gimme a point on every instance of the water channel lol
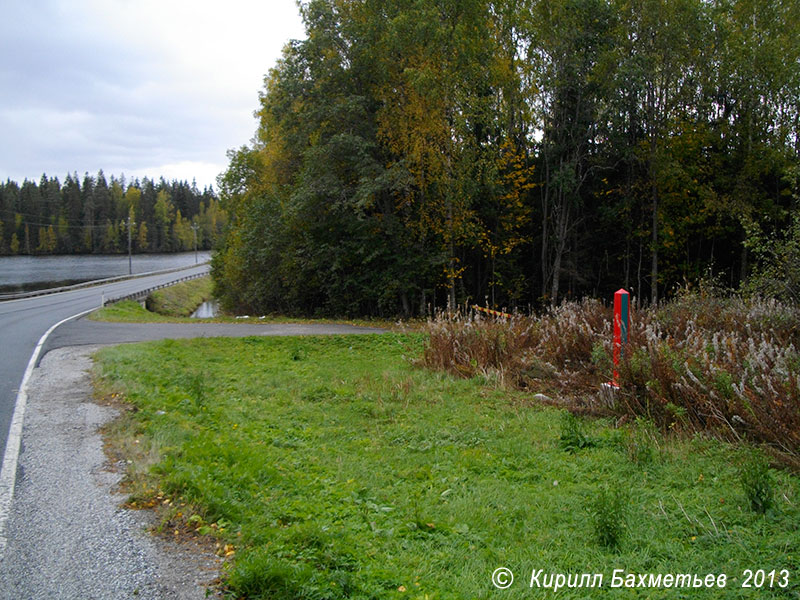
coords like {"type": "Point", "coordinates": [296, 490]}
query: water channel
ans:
{"type": "Point", "coordinates": [207, 310]}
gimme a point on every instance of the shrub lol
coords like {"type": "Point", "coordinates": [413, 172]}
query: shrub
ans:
{"type": "Point", "coordinates": [756, 480]}
{"type": "Point", "coordinates": [727, 366]}
{"type": "Point", "coordinates": [572, 436]}
{"type": "Point", "coordinates": [608, 513]}
{"type": "Point", "coordinates": [558, 347]}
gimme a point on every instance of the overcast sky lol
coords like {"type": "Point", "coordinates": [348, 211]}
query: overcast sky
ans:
{"type": "Point", "coordinates": [141, 87]}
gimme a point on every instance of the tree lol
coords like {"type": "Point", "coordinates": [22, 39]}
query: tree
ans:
{"type": "Point", "coordinates": [142, 243]}
{"type": "Point", "coordinates": [435, 119]}
{"type": "Point", "coordinates": [164, 215]}
{"type": "Point", "coordinates": [47, 240]}
{"type": "Point", "coordinates": [183, 236]}
{"type": "Point", "coordinates": [566, 48]}
{"type": "Point", "coordinates": [441, 151]}
{"type": "Point", "coordinates": [73, 213]}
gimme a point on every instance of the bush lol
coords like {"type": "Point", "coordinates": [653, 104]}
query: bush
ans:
{"type": "Point", "coordinates": [777, 271]}
{"type": "Point", "coordinates": [756, 481]}
{"type": "Point", "coordinates": [727, 366]}
{"type": "Point", "coordinates": [572, 436]}
{"type": "Point", "coordinates": [608, 512]}
{"type": "Point", "coordinates": [524, 351]}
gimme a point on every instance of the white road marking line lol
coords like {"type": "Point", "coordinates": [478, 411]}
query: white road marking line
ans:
{"type": "Point", "coordinates": [8, 474]}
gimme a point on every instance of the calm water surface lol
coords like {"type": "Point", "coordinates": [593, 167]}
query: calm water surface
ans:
{"type": "Point", "coordinates": [22, 273]}
{"type": "Point", "coordinates": [207, 310]}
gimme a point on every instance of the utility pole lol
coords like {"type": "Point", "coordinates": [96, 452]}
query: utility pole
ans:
{"type": "Point", "coordinates": [195, 227]}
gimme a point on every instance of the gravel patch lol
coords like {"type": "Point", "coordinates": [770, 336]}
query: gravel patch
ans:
{"type": "Point", "coordinates": [69, 538]}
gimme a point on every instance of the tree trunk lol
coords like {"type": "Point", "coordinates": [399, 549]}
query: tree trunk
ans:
{"type": "Point", "coordinates": [545, 250]}
{"type": "Point", "coordinates": [654, 263]}
{"type": "Point", "coordinates": [561, 246]}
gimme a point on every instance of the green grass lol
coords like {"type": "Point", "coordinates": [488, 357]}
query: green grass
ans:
{"type": "Point", "coordinates": [173, 304]}
{"type": "Point", "coordinates": [176, 303]}
{"type": "Point", "coordinates": [181, 299]}
{"type": "Point", "coordinates": [334, 468]}
{"type": "Point", "coordinates": [129, 311]}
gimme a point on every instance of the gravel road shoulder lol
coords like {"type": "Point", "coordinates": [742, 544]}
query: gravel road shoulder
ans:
{"type": "Point", "coordinates": [69, 538]}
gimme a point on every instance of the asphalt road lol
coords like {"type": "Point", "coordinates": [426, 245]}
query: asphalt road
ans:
{"type": "Point", "coordinates": [85, 332]}
{"type": "Point", "coordinates": [23, 322]}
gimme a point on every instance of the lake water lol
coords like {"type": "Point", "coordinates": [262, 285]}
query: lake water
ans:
{"type": "Point", "coordinates": [24, 273]}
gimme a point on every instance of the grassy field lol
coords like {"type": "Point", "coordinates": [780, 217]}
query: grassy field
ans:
{"type": "Point", "coordinates": [176, 303]}
{"type": "Point", "coordinates": [333, 467]}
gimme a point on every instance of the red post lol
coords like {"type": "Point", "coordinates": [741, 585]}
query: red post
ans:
{"type": "Point", "coordinates": [622, 324]}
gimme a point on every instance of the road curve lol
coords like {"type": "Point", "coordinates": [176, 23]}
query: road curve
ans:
{"type": "Point", "coordinates": [31, 327]}
{"type": "Point", "coordinates": [23, 322]}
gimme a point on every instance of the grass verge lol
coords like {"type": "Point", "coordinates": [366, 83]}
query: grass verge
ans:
{"type": "Point", "coordinates": [129, 311]}
{"type": "Point", "coordinates": [332, 467]}
{"type": "Point", "coordinates": [181, 299]}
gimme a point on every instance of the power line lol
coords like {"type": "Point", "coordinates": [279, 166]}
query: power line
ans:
{"type": "Point", "coordinates": [57, 225]}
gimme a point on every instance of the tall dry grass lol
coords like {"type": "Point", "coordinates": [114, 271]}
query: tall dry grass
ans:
{"type": "Point", "coordinates": [730, 366]}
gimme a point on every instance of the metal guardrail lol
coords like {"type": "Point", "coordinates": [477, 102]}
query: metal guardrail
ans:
{"type": "Point", "coordinates": [77, 286]}
{"type": "Point", "coordinates": [146, 292]}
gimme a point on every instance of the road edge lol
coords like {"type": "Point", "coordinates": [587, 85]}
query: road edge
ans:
{"type": "Point", "coordinates": [8, 473]}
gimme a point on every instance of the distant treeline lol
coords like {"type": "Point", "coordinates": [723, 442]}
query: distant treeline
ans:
{"type": "Point", "coordinates": [520, 151]}
{"type": "Point", "coordinates": [92, 216]}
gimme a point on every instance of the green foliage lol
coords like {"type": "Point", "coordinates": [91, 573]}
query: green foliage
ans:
{"type": "Point", "coordinates": [181, 299]}
{"type": "Point", "coordinates": [572, 436]}
{"type": "Point", "coordinates": [609, 512]}
{"type": "Point", "coordinates": [128, 311]}
{"type": "Point", "coordinates": [777, 272]}
{"type": "Point", "coordinates": [92, 216]}
{"type": "Point", "coordinates": [415, 155]}
{"type": "Point", "coordinates": [757, 482]}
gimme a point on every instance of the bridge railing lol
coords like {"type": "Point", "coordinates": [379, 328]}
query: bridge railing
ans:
{"type": "Point", "coordinates": [77, 286]}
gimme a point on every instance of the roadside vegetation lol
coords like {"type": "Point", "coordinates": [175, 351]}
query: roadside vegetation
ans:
{"type": "Point", "coordinates": [181, 299]}
{"type": "Point", "coordinates": [341, 467]}
{"type": "Point", "coordinates": [174, 305]}
{"type": "Point", "coordinates": [728, 366]}
{"type": "Point", "coordinates": [132, 312]}
{"type": "Point", "coordinates": [129, 311]}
